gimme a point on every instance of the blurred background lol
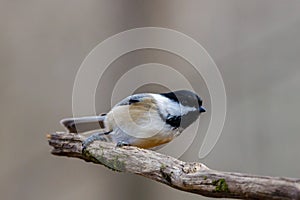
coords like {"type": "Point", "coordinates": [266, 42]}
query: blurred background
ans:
{"type": "Point", "coordinates": [254, 43]}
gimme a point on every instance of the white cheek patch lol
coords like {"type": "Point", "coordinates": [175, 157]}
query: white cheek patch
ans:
{"type": "Point", "coordinates": [186, 109]}
{"type": "Point", "coordinates": [169, 107]}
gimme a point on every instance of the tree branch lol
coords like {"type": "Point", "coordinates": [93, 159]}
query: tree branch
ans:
{"type": "Point", "coordinates": [185, 176]}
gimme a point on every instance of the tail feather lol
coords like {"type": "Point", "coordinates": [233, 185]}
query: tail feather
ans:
{"type": "Point", "coordinates": [83, 124]}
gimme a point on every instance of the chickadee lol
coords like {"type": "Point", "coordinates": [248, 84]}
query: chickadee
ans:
{"type": "Point", "coordinates": [144, 120]}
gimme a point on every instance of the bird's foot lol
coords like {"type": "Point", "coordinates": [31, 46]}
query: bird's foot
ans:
{"type": "Point", "coordinates": [92, 138]}
{"type": "Point", "coordinates": [122, 144]}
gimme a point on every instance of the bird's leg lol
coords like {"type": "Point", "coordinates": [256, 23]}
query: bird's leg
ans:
{"type": "Point", "coordinates": [94, 137]}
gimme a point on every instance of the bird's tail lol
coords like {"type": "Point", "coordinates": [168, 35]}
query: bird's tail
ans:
{"type": "Point", "coordinates": [84, 124]}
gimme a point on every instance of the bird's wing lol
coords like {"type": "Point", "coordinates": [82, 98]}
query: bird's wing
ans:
{"type": "Point", "coordinates": [83, 124]}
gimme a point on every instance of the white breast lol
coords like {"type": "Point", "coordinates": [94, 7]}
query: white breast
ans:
{"type": "Point", "coordinates": [138, 124]}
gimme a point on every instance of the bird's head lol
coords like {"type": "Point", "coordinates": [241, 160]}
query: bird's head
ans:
{"type": "Point", "coordinates": [179, 108]}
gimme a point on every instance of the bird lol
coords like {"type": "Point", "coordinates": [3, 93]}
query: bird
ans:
{"type": "Point", "coordinates": [145, 120]}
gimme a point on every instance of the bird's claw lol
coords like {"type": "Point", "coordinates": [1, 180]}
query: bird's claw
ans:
{"type": "Point", "coordinates": [92, 138]}
{"type": "Point", "coordinates": [122, 144]}
{"type": "Point", "coordinates": [86, 143]}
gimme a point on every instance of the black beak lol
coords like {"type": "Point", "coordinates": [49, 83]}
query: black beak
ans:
{"type": "Point", "coordinates": [202, 109]}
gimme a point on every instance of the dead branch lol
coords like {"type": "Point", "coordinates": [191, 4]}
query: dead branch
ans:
{"type": "Point", "coordinates": [185, 176]}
